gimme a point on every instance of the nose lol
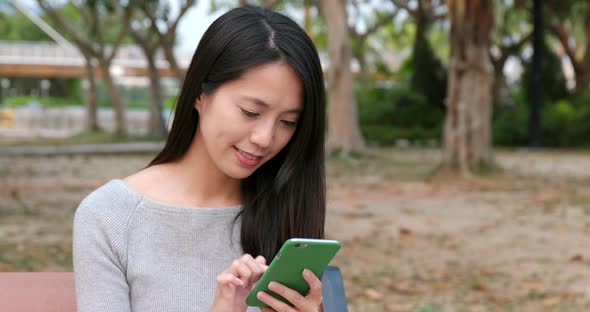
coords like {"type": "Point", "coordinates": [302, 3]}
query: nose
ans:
{"type": "Point", "coordinates": [263, 134]}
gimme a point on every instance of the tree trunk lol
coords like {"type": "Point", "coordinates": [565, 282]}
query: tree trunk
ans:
{"type": "Point", "coordinates": [171, 58]}
{"type": "Point", "coordinates": [90, 96]}
{"type": "Point", "coordinates": [536, 95]}
{"type": "Point", "coordinates": [499, 82]}
{"type": "Point", "coordinates": [582, 81]}
{"type": "Point", "coordinates": [467, 125]}
{"type": "Point", "coordinates": [343, 128]}
{"type": "Point", "coordinates": [157, 127]}
{"type": "Point", "coordinates": [118, 107]}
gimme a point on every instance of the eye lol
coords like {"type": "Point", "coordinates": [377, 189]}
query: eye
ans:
{"type": "Point", "coordinates": [249, 113]}
{"type": "Point", "coordinates": [291, 124]}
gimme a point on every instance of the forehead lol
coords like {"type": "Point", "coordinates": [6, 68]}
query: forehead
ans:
{"type": "Point", "coordinates": [275, 84]}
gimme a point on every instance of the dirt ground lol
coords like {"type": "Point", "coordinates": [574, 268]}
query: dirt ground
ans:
{"type": "Point", "coordinates": [514, 240]}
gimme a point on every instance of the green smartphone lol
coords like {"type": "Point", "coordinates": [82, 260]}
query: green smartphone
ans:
{"type": "Point", "coordinates": [287, 267]}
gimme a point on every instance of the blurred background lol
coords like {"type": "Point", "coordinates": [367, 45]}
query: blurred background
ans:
{"type": "Point", "coordinates": [458, 136]}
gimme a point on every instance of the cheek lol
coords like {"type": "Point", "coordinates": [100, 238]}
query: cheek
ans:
{"type": "Point", "coordinates": [217, 132]}
{"type": "Point", "coordinates": [282, 139]}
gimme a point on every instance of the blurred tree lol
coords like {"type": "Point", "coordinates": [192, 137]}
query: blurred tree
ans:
{"type": "Point", "coordinates": [17, 26]}
{"type": "Point", "coordinates": [536, 93]}
{"type": "Point", "coordinates": [165, 26]}
{"type": "Point", "coordinates": [509, 37]}
{"type": "Point", "coordinates": [343, 127]}
{"type": "Point", "coordinates": [553, 80]}
{"type": "Point", "coordinates": [429, 77]}
{"type": "Point", "coordinates": [88, 33]}
{"type": "Point", "coordinates": [152, 27]}
{"type": "Point", "coordinates": [14, 25]}
{"type": "Point", "coordinates": [569, 22]}
{"type": "Point", "coordinates": [362, 26]}
{"type": "Point", "coordinates": [467, 126]}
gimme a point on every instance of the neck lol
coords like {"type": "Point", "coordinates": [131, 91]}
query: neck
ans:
{"type": "Point", "coordinates": [202, 181]}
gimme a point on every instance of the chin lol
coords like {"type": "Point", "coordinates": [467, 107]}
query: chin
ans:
{"type": "Point", "coordinates": [239, 174]}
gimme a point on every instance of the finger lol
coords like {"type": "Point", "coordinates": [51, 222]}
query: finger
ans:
{"type": "Point", "coordinates": [273, 302]}
{"type": "Point", "coordinates": [291, 295]}
{"type": "Point", "coordinates": [253, 266]}
{"type": "Point", "coordinates": [315, 286]}
{"type": "Point", "coordinates": [229, 279]}
{"type": "Point", "coordinates": [241, 270]}
{"type": "Point", "coordinates": [261, 260]}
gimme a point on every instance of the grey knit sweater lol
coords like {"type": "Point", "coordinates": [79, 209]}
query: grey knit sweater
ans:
{"type": "Point", "coordinates": [134, 254]}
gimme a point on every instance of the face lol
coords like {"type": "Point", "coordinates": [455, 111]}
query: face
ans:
{"type": "Point", "coordinates": [247, 121]}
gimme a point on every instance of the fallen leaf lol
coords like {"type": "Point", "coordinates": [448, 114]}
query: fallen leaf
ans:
{"type": "Point", "coordinates": [552, 301]}
{"type": "Point", "coordinates": [374, 294]}
{"type": "Point", "coordinates": [387, 283]}
{"type": "Point", "coordinates": [408, 307]}
{"type": "Point", "coordinates": [405, 231]}
{"type": "Point", "coordinates": [535, 286]}
{"type": "Point", "coordinates": [441, 286]}
{"type": "Point", "coordinates": [405, 288]}
{"type": "Point", "coordinates": [479, 287]}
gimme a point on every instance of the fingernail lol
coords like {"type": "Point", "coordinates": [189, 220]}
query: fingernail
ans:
{"type": "Point", "coordinates": [273, 285]}
{"type": "Point", "coordinates": [307, 273]}
{"type": "Point", "coordinates": [260, 295]}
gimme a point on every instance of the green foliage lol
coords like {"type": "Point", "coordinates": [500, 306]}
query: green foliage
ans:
{"type": "Point", "coordinates": [387, 114]}
{"type": "Point", "coordinates": [563, 124]}
{"type": "Point", "coordinates": [17, 27]}
{"type": "Point", "coordinates": [553, 81]}
{"type": "Point", "coordinates": [429, 76]}
{"type": "Point", "coordinates": [170, 102]}
{"type": "Point", "coordinates": [510, 123]}
{"type": "Point", "coordinates": [47, 101]}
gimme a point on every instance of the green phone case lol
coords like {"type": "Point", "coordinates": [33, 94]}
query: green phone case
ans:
{"type": "Point", "coordinates": [287, 267]}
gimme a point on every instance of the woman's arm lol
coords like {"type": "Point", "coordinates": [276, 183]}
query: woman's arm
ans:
{"type": "Point", "coordinates": [98, 250]}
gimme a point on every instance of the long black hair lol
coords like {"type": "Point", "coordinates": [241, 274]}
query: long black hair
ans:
{"type": "Point", "coordinates": [285, 197]}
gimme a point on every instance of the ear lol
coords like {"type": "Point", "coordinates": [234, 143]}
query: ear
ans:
{"type": "Point", "coordinates": [199, 102]}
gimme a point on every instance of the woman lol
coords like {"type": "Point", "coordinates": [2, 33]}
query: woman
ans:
{"type": "Point", "coordinates": [241, 172]}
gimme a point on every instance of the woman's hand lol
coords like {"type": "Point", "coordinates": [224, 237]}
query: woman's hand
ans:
{"type": "Point", "coordinates": [312, 302]}
{"type": "Point", "coordinates": [234, 284]}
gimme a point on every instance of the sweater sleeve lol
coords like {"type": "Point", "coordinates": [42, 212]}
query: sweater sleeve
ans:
{"type": "Point", "coordinates": [99, 251]}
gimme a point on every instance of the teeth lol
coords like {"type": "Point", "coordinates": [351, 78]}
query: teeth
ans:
{"type": "Point", "coordinates": [247, 156]}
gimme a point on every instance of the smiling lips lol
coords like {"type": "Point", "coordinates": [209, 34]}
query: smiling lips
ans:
{"type": "Point", "coordinates": [247, 159]}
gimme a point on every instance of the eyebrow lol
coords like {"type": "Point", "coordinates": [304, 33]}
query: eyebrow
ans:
{"type": "Point", "coordinates": [260, 102]}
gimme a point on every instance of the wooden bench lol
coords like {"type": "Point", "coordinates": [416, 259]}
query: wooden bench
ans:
{"type": "Point", "coordinates": [54, 291]}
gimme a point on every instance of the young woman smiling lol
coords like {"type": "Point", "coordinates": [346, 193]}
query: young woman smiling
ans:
{"type": "Point", "coordinates": [242, 171]}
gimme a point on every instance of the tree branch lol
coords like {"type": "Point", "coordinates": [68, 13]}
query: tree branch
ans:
{"type": "Point", "coordinates": [404, 5]}
{"type": "Point", "coordinates": [269, 4]}
{"type": "Point", "coordinates": [561, 34]}
{"type": "Point", "coordinates": [187, 4]}
{"type": "Point", "coordinates": [122, 33]}
{"type": "Point", "coordinates": [57, 18]}
{"type": "Point", "coordinates": [384, 20]}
